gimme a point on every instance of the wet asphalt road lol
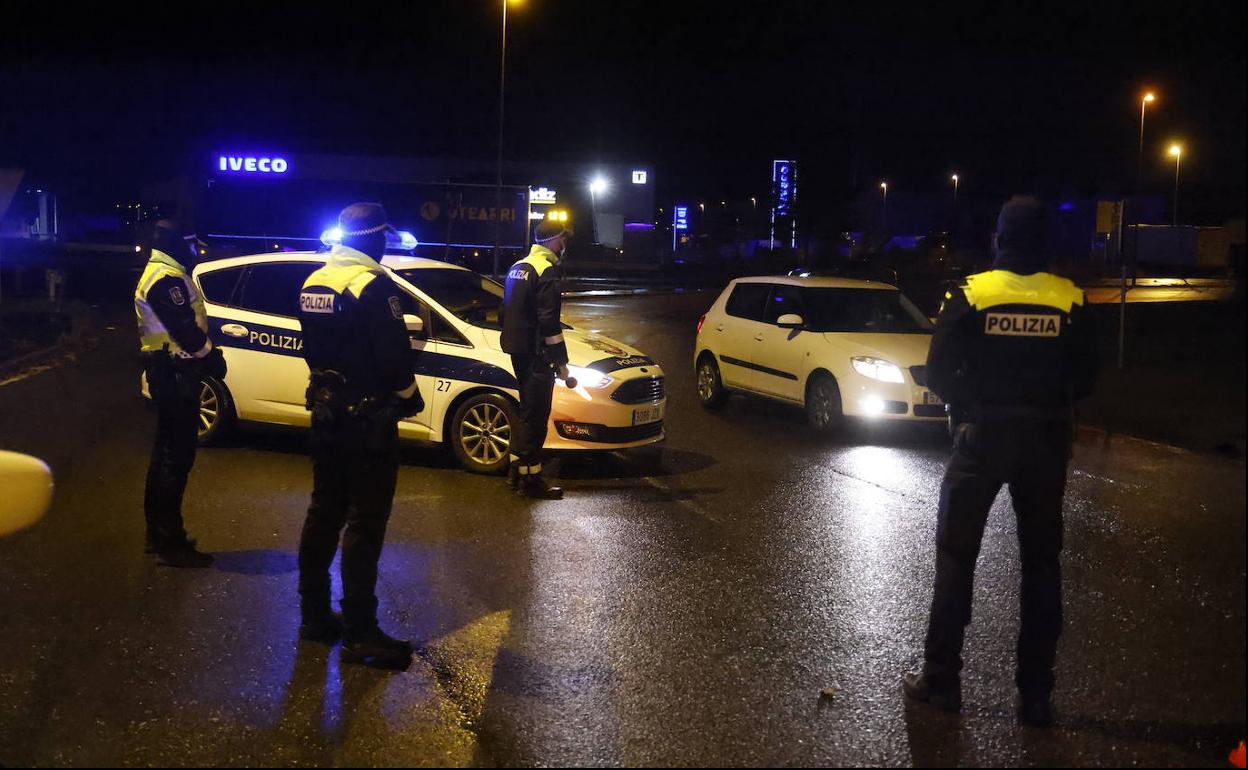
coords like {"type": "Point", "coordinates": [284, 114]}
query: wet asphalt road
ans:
{"type": "Point", "coordinates": [688, 616]}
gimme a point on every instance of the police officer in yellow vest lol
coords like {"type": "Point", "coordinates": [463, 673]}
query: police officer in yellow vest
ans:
{"type": "Point", "coordinates": [177, 355]}
{"type": "Point", "coordinates": [1014, 350]}
{"type": "Point", "coordinates": [533, 335]}
{"type": "Point", "coordinates": [359, 352]}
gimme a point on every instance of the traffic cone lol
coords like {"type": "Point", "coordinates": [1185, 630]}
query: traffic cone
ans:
{"type": "Point", "coordinates": [1237, 756]}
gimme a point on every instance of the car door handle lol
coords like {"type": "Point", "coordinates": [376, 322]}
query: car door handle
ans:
{"type": "Point", "coordinates": [759, 336]}
{"type": "Point", "coordinates": [719, 327]}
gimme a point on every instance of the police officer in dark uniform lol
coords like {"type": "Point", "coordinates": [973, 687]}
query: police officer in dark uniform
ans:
{"type": "Point", "coordinates": [177, 355]}
{"type": "Point", "coordinates": [533, 335]}
{"type": "Point", "coordinates": [1014, 349]}
{"type": "Point", "coordinates": [359, 352]}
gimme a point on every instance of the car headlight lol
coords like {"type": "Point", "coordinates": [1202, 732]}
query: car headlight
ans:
{"type": "Point", "coordinates": [877, 369]}
{"type": "Point", "coordinates": [589, 378]}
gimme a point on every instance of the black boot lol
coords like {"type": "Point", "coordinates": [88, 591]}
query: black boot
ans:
{"type": "Point", "coordinates": [321, 626]}
{"type": "Point", "coordinates": [375, 649]}
{"type": "Point", "coordinates": [151, 543]}
{"type": "Point", "coordinates": [537, 488]}
{"type": "Point", "coordinates": [919, 688]}
{"type": "Point", "coordinates": [183, 554]}
{"type": "Point", "coordinates": [1035, 711]}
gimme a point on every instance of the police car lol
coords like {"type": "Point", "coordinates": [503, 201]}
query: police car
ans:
{"type": "Point", "coordinates": [838, 347]}
{"type": "Point", "coordinates": [470, 391]}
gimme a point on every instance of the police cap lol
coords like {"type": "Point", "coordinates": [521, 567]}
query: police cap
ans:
{"type": "Point", "coordinates": [548, 230]}
{"type": "Point", "coordinates": [363, 219]}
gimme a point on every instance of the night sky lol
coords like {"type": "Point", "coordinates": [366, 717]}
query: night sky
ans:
{"type": "Point", "coordinates": [1041, 97]}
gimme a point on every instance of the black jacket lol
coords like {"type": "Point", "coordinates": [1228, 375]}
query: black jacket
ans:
{"type": "Point", "coordinates": [532, 303]}
{"type": "Point", "coordinates": [352, 318]}
{"type": "Point", "coordinates": [1013, 341]}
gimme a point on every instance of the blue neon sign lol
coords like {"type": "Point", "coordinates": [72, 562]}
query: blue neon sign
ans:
{"type": "Point", "coordinates": [250, 164]}
{"type": "Point", "coordinates": [784, 178]}
{"type": "Point", "coordinates": [680, 220]}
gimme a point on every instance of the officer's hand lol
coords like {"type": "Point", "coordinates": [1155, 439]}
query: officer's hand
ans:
{"type": "Point", "coordinates": [563, 373]}
{"type": "Point", "coordinates": [213, 364]}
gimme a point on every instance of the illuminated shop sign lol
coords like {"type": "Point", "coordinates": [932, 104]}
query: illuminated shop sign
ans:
{"type": "Point", "coordinates": [248, 164]}
{"type": "Point", "coordinates": [639, 177]}
{"type": "Point", "coordinates": [784, 178]}
{"type": "Point", "coordinates": [542, 195]}
{"type": "Point", "coordinates": [681, 219]}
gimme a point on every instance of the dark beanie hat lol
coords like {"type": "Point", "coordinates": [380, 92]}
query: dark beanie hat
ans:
{"type": "Point", "coordinates": [1023, 232]}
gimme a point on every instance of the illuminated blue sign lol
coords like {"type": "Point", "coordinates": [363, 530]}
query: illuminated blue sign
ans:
{"type": "Point", "coordinates": [681, 219]}
{"type": "Point", "coordinates": [247, 164]}
{"type": "Point", "coordinates": [784, 180]}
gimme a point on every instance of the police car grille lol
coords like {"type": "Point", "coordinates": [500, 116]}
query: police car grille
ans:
{"type": "Point", "coordinates": [919, 373]}
{"type": "Point", "coordinates": [640, 391]}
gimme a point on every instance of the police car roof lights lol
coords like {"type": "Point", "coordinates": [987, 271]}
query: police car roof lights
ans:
{"type": "Point", "coordinates": [402, 241]}
{"type": "Point", "coordinates": [332, 236]}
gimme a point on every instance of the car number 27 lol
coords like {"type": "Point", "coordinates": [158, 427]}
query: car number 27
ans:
{"type": "Point", "coordinates": [444, 386]}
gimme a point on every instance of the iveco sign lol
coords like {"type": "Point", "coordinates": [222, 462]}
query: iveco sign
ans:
{"type": "Point", "coordinates": [240, 164]}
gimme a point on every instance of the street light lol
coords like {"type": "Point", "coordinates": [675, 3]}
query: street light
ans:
{"type": "Point", "coordinates": [954, 178]}
{"type": "Point", "coordinates": [1177, 151]}
{"type": "Point", "coordinates": [498, 180]}
{"type": "Point", "coordinates": [1148, 99]}
{"type": "Point", "coordinates": [597, 187]}
{"type": "Point", "coordinates": [884, 206]}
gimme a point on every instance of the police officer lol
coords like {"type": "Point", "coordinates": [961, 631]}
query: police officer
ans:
{"type": "Point", "coordinates": [177, 355]}
{"type": "Point", "coordinates": [359, 352]}
{"type": "Point", "coordinates": [533, 335]}
{"type": "Point", "coordinates": [1014, 349]}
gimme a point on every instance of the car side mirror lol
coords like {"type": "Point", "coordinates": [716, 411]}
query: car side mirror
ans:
{"type": "Point", "coordinates": [414, 323]}
{"type": "Point", "coordinates": [27, 484]}
{"type": "Point", "coordinates": [790, 321]}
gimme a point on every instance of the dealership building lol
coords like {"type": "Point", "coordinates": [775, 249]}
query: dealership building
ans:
{"type": "Point", "coordinates": [248, 202]}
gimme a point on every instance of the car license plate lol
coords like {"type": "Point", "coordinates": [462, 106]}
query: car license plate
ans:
{"type": "Point", "coordinates": [931, 399]}
{"type": "Point", "coordinates": [647, 415]}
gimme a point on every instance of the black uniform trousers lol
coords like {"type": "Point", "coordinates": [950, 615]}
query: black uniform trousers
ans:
{"type": "Point", "coordinates": [1029, 455]}
{"type": "Point", "coordinates": [354, 467]}
{"type": "Point", "coordinates": [175, 389]}
{"type": "Point", "coordinates": [537, 391]}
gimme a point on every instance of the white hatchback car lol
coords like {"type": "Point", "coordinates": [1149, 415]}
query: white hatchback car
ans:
{"type": "Point", "coordinates": [470, 391]}
{"type": "Point", "coordinates": [838, 347]}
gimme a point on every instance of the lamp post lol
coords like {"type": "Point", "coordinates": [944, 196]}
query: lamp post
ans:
{"type": "Point", "coordinates": [954, 178]}
{"type": "Point", "coordinates": [1177, 151]}
{"type": "Point", "coordinates": [884, 207]}
{"type": "Point", "coordinates": [1139, 162]}
{"type": "Point", "coordinates": [597, 187]}
{"type": "Point", "coordinates": [498, 179]}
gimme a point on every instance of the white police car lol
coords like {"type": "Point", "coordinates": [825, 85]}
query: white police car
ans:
{"type": "Point", "coordinates": [466, 379]}
{"type": "Point", "coordinates": [838, 347]}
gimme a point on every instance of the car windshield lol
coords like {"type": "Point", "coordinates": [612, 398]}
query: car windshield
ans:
{"type": "Point", "coordinates": [472, 298]}
{"type": "Point", "coordinates": [876, 311]}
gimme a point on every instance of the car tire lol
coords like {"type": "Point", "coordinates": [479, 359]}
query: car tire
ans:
{"type": "Point", "coordinates": [481, 433]}
{"type": "Point", "coordinates": [216, 411]}
{"type": "Point", "coordinates": [823, 404]}
{"type": "Point", "coordinates": [711, 391]}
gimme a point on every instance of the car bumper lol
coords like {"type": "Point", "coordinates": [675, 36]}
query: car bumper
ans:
{"type": "Point", "coordinates": [606, 418]}
{"type": "Point", "coordinates": [905, 401]}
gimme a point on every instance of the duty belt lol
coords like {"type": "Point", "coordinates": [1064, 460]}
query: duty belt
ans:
{"type": "Point", "coordinates": [340, 395]}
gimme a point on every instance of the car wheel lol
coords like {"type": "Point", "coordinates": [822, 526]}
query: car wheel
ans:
{"type": "Point", "coordinates": [216, 411]}
{"type": "Point", "coordinates": [823, 404]}
{"type": "Point", "coordinates": [711, 392]}
{"type": "Point", "coordinates": [482, 430]}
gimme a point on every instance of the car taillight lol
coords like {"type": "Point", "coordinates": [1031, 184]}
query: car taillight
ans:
{"type": "Point", "coordinates": [701, 321]}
